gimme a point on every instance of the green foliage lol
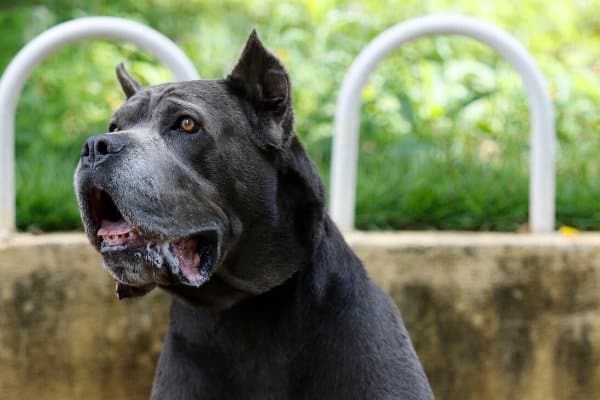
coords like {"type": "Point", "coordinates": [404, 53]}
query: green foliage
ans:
{"type": "Point", "coordinates": [444, 132]}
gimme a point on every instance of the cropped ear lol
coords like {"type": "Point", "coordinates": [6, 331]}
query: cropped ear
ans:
{"type": "Point", "coordinates": [264, 82]}
{"type": "Point", "coordinates": [128, 83]}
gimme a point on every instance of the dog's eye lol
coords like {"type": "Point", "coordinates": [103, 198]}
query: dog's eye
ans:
{"type": "Point", "coordinates": [113, 127]}
{"type": "Point", "coordinates": [188, 125]}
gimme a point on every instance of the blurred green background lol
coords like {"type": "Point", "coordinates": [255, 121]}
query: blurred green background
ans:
{"type": "Point", "coordinates": [445, 131]}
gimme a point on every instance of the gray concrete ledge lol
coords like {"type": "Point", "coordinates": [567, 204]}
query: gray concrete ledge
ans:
{"type": "Point", "coordinates": [492, 315]}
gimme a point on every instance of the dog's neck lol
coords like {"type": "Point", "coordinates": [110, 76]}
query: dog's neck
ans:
{"type": "Point", "coordinates": [332, 275]}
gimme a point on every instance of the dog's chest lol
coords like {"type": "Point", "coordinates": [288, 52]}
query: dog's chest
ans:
{"type": "Point", "coordinates": [215, 358]}
{"type": "Point", "coordinates": [221, 370]}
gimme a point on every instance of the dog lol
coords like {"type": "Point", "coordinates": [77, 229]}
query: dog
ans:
{"type": "Point", "coordinates": [202, 189]}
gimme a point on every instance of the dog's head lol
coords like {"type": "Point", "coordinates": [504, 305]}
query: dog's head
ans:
{"type": "Point", "coordinates": [201, 187]}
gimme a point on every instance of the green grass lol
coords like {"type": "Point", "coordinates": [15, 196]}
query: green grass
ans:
{"type": "Point", "coordinates": [444, 131]}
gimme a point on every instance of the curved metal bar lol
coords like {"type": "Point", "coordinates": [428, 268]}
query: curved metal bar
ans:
{"type": "Point", "coordinates": [43, 45]}
{"type": "Point", "coordinates": [347, 117]}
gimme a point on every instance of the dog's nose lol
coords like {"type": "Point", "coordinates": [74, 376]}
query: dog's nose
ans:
{"type": "Point", "coordinates": [99, 148]}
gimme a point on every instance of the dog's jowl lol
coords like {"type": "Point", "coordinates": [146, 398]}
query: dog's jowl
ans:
{"type": "Point", "coordinates": [202, 189]}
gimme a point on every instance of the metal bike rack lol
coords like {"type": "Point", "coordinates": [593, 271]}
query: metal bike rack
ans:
{"type": "Point", "coordinates": [37, 50]}
{"type": "Point", "coordinates": [347, 116]}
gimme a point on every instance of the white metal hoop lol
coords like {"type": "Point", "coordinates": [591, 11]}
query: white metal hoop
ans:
{"type": "Point", "coordinates": [347, 116]}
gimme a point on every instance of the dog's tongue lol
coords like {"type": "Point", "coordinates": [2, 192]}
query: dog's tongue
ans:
{"type": "Point", "coordinates": [110, 228]}
{"type": "Point", "coordinates": [189, 259]}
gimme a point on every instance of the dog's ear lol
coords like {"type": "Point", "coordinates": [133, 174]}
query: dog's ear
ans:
{"type": "Point", "coordinates": [263, 81]}
{"type": "Point", "coordinates": [128, 83]}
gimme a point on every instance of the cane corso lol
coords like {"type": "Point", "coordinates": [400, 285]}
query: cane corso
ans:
{"type": "Point", "coordinates": [202, 189]}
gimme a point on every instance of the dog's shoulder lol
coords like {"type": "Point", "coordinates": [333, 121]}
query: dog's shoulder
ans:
{"type": "Point", "coordinates": [360, 347]}
{"type": "Point", "coordinates": [362, 351]}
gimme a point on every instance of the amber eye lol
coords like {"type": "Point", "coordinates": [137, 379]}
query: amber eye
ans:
{"type": "Point", "coordinates": [188, 125]}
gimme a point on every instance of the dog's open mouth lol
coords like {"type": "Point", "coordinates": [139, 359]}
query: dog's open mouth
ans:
{"type": "Point", "coordinates": [189, 258]}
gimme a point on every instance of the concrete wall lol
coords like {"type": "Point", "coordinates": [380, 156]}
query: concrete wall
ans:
{"type": "Point", "coordinates": [493, 316]}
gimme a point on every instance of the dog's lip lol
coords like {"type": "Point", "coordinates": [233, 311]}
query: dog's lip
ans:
{"type": "Point", "coordinates": [196, 264]}
{"type": "Point", "coordinates": [104, 248]}
{"type": "Point", "coordinates": [125, 290]}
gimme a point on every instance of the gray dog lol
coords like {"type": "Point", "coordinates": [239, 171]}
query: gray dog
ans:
{"type": "Point", "coordinates": [202, 189]}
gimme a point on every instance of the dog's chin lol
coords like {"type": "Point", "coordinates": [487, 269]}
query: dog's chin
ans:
{"type": "Point", "coordinates": [127, 267]}
{"type": "Point", "coordinates": [132, 278]}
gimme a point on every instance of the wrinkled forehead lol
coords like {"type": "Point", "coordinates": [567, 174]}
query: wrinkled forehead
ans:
{"type": "Point", "coordinates": [199, 98]}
